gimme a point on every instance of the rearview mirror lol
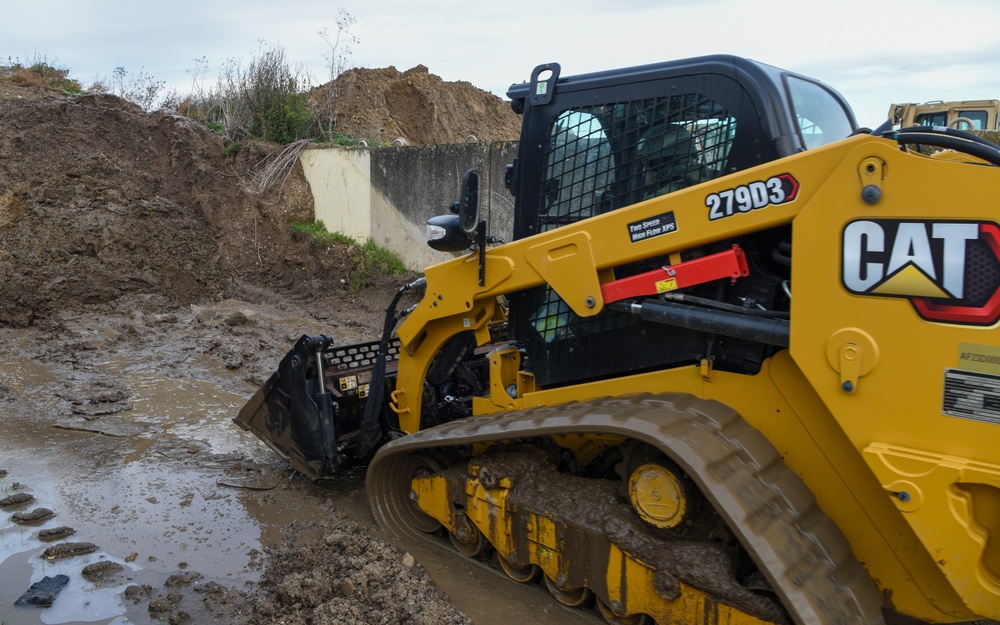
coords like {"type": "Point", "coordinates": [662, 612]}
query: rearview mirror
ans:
{"type": "Point", "coordinates": [468, 209]}
{"type": "Point", "coordinates": [456, 232]}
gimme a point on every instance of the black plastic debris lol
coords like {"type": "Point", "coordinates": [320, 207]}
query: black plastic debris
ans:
{"type": "Point", "coordinates": [43, 592]}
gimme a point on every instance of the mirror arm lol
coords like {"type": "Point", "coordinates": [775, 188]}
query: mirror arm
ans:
{"type": "Point", "coordinates": [481, 242]}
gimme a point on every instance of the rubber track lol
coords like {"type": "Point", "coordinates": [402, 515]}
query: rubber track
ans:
{"type": "Point", "coordinates": [804, 555]}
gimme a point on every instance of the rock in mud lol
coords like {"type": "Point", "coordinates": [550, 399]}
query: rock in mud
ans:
{"type": "Point", "coordinates": [182, 579]}
{"type": "Point", "coordinates": [236, 319]}
{"type": "Point", "coordinates": [17, 499]}
{"type": "Point", "coordinates": [68, 550]}
{"type": "Point", "coordinates": [36, 516]}
{"type": "Point", "coordinates": [136, 593]}
{"type": "Point", "coordinates": [92, 411]}
{"type": "Point", "coordinates": [101, 571]}
{"type": "Point", "coordinates": [42, 593]}
{"type": "Point", "coordinates": [55, 533]}
{"type": "Point", "coordinates": [163, 604]}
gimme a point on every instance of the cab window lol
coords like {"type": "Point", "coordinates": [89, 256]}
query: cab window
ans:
{"type": "Point", "coordinates": [600, 158]}
{"type": "Point", "coordinates": [821, 117]}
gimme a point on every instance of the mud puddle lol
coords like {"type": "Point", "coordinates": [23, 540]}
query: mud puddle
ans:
{"type": "Point", "coordinates": [123, 430]}
{"type": "Point", "coordinates": [147, 467]}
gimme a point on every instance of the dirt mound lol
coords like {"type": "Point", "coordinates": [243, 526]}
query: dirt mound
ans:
{"type": "Point", "coordinates": [99, 199]}
{"type": "Point", "coordinates": [382, 105]}
{"type": "Point", "coordinates": [348, 578]}
{"type": "Point", "coordinates": [90, 213]}
{"type": "Point", "coordinates": [140, 222]}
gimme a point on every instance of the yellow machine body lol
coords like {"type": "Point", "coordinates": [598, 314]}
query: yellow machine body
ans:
{"type": "Point", "coordinates": [855, 406]}
{"type": "Point", "coordinates": [739, 364]}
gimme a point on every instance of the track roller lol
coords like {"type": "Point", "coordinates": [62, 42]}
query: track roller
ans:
{"type": "Point", "coordinates": [613, 619]}
{"type": "Point", "coordinates": [573, 598]}
{"type": "Point", "coordinates": [657, 495]}
{"type": "Point", "coordinates": [467, 538]}
{"type": "Point", "coordinates": [523, 574]}
{"type": "Point", "coordinates": [664, 496]}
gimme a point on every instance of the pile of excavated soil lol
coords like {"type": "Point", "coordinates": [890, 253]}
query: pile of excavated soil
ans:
{"type": "Point", "coordinates": [106, 208]}
{"type": "Point", "coordinates": [99, 199]}
{"type": "Point", "coordinates": [344, 577]}
{"type": "Point", "coordinates": [383, 105]}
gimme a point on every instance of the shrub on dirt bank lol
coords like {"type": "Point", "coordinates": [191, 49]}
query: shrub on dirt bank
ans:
{"type": "Point", "coordinates": [264, 101]}
{"type": "Point", "coordinates": [369, 262]}
{"type": "Point", "coordinates": [41, 73]}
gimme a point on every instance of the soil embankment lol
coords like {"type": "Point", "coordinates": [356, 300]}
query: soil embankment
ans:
{"type": "Point", "coordinates": [146, 294]}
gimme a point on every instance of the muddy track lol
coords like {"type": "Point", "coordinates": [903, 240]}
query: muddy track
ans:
{"type": "Point", "coordinates": [806, 558]}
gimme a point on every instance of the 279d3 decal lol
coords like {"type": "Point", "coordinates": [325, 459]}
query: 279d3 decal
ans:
{"type": "Point", "coordinates": [948, 270]}
{"type": "Point", "coordinates": [780, 189]}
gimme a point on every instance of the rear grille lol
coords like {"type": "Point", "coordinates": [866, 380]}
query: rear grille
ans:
{"type": "Point", "coordinates": [358, 356]}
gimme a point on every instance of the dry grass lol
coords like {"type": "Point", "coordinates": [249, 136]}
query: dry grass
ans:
{"type": "Point", "coordinates": [41, 73]}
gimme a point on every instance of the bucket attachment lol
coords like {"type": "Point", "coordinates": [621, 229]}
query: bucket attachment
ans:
{"type": "Point", "coordinates": [311, 409]}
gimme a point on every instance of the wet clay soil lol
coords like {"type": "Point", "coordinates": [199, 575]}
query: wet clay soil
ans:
{"type": "Point", "coordinates": [145, 296]}
{"type": "Point", "coordinates": [161, 484]}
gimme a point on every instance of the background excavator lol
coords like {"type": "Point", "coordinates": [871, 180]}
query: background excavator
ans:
{"type": "Point", "coordinates": [626, 402]}
{"type": "Point", "coordinates": [963, 114]}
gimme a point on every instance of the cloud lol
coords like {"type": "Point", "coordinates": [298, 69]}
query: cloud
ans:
{"type": "Point", "coordinates": [872, 51]}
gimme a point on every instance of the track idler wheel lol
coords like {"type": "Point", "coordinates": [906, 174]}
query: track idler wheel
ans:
{"type": "Point", "coordinates": [574, 597]}
{"type": "Point", "coordinates": [409, 468]}
{"type": "Point", "coordinates": [522, 574]}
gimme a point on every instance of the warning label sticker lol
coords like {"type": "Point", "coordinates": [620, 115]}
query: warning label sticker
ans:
{"type": "Point", "coordinates": [665, 286]}
{"type": "Point", "coordinates": [972, 395]}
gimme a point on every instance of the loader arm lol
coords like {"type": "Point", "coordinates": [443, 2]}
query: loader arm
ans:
{"type": "Point", "coordinates": [577, 259]}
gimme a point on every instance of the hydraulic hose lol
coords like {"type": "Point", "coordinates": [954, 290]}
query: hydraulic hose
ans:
{"type": "Point", "coordinates": [949, 139]}
{"type": "Point", "coordinates": [370, 430]}
{"type": "Point", "coordinates": [703, 301]}
{"type": "Point", "coordinates": [760, 329]}
{"type": "Point", "coordinates": [951, 132]}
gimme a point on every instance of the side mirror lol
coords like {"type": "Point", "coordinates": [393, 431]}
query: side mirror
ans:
{"type": "Point", "coordinates": [456, 232]}
{"type": "Point", "coordinates": [468, 207]}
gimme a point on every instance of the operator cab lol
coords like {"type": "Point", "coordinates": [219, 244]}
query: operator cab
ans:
{"type": "Point", "coordinates": [599, 142]}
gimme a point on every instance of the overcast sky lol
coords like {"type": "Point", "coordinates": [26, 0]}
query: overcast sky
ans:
{"type": "Point", "coordinates": [874, 52]}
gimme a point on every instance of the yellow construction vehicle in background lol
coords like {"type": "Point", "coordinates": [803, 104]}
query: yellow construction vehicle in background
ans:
{"type": "Point", "coordinates": [963, 115]}
{"type": "Point", "coordinates": [627, 402]}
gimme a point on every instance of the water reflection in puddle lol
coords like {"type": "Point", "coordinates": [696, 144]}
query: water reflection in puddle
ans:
{"type": "Point", "coordinates": [151, 502]}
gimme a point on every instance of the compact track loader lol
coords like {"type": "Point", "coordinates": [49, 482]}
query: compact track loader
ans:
{"type": "Point", "coordinates": [740, 362]}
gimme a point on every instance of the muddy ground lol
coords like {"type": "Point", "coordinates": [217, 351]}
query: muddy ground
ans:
{"type": "Point", "coordinates": [146, 294]}
{"type": "Point", "coordinates": [118, 421]}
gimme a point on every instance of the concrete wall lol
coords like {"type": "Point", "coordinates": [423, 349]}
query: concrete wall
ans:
{"type": "Point", "coordinates": [340, 181]}
{"type": "Point", "coordinates": [388, 194]}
